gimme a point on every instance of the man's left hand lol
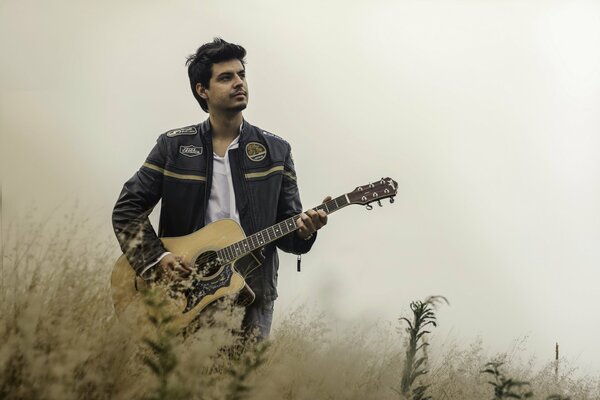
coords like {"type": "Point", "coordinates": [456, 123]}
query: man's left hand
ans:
{"type": "Point", "coordinates": [311, 221]}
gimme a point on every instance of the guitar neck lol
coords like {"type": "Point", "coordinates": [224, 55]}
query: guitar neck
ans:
{"type": "Point", "coordinates": [275, 232]}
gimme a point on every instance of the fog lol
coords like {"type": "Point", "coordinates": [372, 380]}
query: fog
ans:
{"type": "Point", "coordinates": [485, 112]}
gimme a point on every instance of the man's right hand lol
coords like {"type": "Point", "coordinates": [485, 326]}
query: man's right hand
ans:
{"type": "Point", "coordinates": [172, 267]}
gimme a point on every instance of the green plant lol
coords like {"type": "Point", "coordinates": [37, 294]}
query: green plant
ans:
{"type": "Point", "coordinates": [415, 364]}
{"type": "Point", "coordinates": [163, 361]}
{"type": "Point", "coordinates": [251, 359]}
{"type": "Point", "coordinates": [506, 388]}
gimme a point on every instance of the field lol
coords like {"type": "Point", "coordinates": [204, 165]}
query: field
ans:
{"type": "Point", "coordinates": [60, 339]}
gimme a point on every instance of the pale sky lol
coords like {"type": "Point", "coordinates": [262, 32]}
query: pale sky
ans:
{"type": "Point", "coordinates": [485, 112]}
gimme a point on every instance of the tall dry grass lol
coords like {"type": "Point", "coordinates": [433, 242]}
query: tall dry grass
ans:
{"type": "Point", "coordinates": [59, 339]}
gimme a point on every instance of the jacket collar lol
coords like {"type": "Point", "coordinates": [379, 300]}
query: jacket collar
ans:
{"type": "Point", "coordinates": [246, 131]}
{"type": "Point", "coordinates": [204, 127]}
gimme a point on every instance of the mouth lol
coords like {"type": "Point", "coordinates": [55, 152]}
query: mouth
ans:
{"type": "Point", "coordinates": [240, 93]}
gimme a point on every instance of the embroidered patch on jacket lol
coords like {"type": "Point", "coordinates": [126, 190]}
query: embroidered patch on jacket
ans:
{"type": "Point", "coordinates": [256, 151]}
{"type": "Point", "coordinates": [190, 150]}
{"type": "Point", "coordinates": [274, 135]}
{"type": "Point", "coordinates": [188, 130]}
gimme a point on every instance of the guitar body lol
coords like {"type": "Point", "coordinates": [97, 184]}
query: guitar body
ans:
{"type": "Point", "coordinates": [216, 253]}
{"type": "Point", "coordinates": [184, 305]}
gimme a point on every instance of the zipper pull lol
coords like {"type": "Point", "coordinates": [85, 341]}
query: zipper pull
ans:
{"type": "Point", "coordinates": [298, 261]}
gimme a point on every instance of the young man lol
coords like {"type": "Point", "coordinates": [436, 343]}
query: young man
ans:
{"type": "Point", "coordinates": [223, 167]}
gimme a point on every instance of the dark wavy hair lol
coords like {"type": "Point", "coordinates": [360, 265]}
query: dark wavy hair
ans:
{"type": "Point", "coordinates": [200, 64]}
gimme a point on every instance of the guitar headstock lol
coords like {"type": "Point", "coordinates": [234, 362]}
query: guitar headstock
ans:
{"type": "Point", "coordinates": [376, 191]}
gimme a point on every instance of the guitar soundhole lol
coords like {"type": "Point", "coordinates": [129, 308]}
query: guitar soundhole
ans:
{"type": "Point", "coordinates": [207, 264]}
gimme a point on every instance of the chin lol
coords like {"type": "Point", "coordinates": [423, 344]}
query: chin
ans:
{"type": "Point", "coordinates": [239, 107]}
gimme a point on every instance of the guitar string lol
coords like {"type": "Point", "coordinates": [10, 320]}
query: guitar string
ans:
{"type": "Point", "coordinates": [259, 236]}
{"type": "Point", "coordinates": [231, 253]}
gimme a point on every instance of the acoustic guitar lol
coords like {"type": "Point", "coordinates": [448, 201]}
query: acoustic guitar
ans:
{"type": "Point", "coordinates": [217, 253]}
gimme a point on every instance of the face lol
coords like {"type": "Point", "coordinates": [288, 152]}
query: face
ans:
{"type": "Point", "coordinates": [228, 90]}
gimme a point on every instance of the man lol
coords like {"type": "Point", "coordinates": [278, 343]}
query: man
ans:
{"type": "Point", "coordinates": [223, 167]}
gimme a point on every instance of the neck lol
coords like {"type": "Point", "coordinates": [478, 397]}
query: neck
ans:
{"type": "Point", "coordinates": [225, 126]}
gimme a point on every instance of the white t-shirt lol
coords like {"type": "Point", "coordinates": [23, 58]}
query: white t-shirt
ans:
{"type": "Point", "coordinates": [221, 203]}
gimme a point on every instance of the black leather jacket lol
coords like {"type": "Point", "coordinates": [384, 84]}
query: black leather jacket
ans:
{"type": "Point", "coordinates": [178, 170]}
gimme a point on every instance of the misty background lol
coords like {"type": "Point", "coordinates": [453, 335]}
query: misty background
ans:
{"type": "Point", "coordinates": [485, 112]}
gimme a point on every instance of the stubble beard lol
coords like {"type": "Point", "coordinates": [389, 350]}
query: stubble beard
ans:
{"type": "Point", "coordinates": [239, 108]}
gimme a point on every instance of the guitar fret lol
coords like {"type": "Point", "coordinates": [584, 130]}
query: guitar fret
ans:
{"type": "Point", "coordinates": [272, 233]}
{"type": "Point", "coordinates": [227, 256]}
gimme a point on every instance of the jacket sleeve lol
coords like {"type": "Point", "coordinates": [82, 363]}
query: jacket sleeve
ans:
{"type": "Point", "coordinates": [290, 205]}
{"type": "Point", "coordinates": [135, 234]}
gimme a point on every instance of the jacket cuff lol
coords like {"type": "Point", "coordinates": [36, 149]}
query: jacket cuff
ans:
{"type": "Point", "coordinates": [304, 245]}
{"type": "Point", "coordinates": [146, 272]}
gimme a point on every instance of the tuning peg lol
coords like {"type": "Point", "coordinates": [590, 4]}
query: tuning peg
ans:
{"type": "Point", "coordinates": [392, 200]}
{"type": "Point", "coordinates": [369, 207]}
{"type": "Point", "coordinates": [379, 202]}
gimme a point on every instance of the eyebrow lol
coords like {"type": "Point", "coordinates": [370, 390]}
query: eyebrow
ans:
{"type": "Point", "coordinates": [231, 72]}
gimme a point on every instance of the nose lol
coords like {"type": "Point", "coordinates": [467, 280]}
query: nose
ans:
{"type": "Point", "coordinates": [238, 81]}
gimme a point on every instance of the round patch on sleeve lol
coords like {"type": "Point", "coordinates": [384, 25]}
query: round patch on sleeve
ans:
{"type": "Point", "coordinates": [256, 151]}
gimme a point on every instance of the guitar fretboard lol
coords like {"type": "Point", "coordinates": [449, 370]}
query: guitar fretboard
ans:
{"type": "Point", "coordinates": [272, 233]}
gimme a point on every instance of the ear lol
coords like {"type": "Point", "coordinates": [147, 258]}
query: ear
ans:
{"type": "Point", "coordinates": [201, 90]}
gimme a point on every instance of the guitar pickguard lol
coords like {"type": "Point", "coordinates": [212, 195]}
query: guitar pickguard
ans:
{"type": "Point", "coordinates": [201, 288]}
